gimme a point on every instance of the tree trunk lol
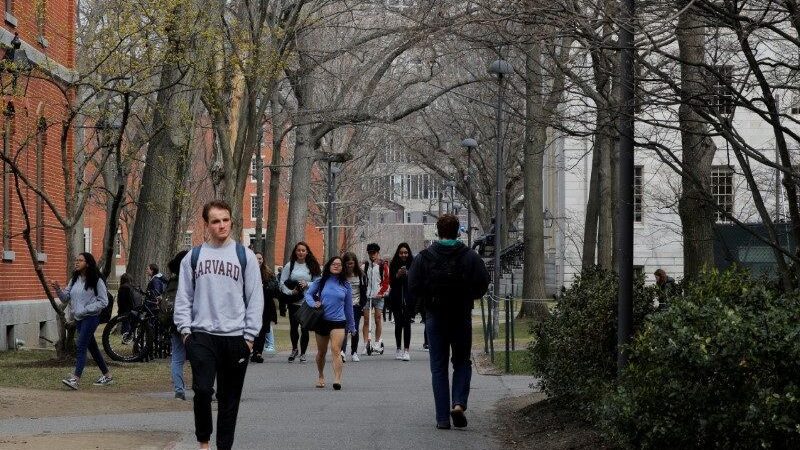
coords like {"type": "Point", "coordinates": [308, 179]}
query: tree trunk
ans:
{"type": "Point", "coordinates": [605, 234]}
{"type": "Point", "coordinates": [697, 218]}
{"type": "Point", "coordinates": [533, 286]}
{"type": "Point", "coordinates": [304, 152]}
{"type": "Point", "coordinates": [592, 212]}
{"type": "Point", "coordinates": [152, 228]}
{"type": "Point", "coordinates": [274, 187]}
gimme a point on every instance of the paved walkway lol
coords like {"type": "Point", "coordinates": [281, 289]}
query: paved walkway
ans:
{"type": "Point", "coordinates": [384, 404]}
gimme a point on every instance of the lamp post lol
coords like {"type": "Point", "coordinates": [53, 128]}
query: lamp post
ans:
{"type": "Point", "coordinates": [333, 169]}
{"type": "Point", "coordinates": [469, 143]}
{"type": "Point", "coordinates": [501, 69]}
{"type": "Point", "coordinates": [259, 213]}
{"type": "Point", "coordinates": [623, 223]}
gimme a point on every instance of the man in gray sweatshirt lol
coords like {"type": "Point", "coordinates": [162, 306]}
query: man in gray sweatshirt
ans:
{"type": "Point", "coordinates": [218, 309]}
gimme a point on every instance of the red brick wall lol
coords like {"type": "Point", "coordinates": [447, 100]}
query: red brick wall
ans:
{"type": "Point", "coordinates": [33, 98]}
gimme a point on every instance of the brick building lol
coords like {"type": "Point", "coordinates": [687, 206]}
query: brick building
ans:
{"type": "Point", "coordinates": [37, 63]}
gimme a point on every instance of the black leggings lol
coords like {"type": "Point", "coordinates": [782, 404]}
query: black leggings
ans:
{"type": "Point", "coordinates": [358, 311]}
{"type": "Point", "coordinates": [402, 323]}
{"type": "Point", "coordinates": [302, 335]}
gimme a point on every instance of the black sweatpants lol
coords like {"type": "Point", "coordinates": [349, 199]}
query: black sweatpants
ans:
{"type": "Point", "coordinates": [294, 335]}
{"type": "Point", "coordinates": [223, 357]}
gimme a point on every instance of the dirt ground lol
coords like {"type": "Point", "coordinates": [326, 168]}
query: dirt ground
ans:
{"type": "Point", "coordinates": [29, 403]}
{"type": "Point", "coordinates": [533, 421]}
{"type": "Point", "coordinates": [141, 440]}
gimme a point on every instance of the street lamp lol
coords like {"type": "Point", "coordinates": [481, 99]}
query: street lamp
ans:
{"type": "Point", "coordinates": [470, 144]}
{"type": "Point", "coordinates": [500, 69]}
{"type": "Point", "coordinates": [333, 169]}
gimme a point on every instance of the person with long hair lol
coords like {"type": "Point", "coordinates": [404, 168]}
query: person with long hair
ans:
{"type": "Point", "coordinates": [270, 315]}
{"type": "Point", "coordinates": [358, 288]}
{"type": "Point", "coordinates": [301, 269]}
{"type": "Point", "coordinates": [333, 294]}
{"type": "Point", "coordinates": [87, 295]}
{"type": "Point", "coordinates": [400, 299]}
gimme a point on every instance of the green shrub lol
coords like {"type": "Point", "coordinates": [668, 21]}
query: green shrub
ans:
{"type": "Point", "coordinates": [719, 368]}
{"type": "Point", "coordinates": [574, 350]}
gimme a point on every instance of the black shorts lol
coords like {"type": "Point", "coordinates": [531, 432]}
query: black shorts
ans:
{"type": "Point", "coordinates": [325, 326]}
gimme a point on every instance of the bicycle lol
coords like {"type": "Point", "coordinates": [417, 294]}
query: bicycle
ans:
{"type": "Point", "coordinates": [146, 338]}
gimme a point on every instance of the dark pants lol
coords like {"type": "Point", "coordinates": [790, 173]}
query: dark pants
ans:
{"type": "Point", "coordinates": [449, 331]}
{"type": "Point", "coordinates": [86, 341]}
{"type": "Point", "coordinates": [258, 343]}
{"type": "Point", "coordinates": [402, 324]}
{"type": "Point", "coordinates": [223, 357]}
{"type": "Point", "coordinates": [294, 325]}
{"type": "Point", "coordinates": [358, 311]}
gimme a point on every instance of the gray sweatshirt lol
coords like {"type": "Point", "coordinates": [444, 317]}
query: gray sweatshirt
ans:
{"type": "Point", "coordinates": [300, 272]}
{"type": "Point", "coordinates": [84, 302]}
{"type": "Point", "coordinates": [213, 302]}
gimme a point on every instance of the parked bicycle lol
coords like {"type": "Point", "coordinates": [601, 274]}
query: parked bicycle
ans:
{"type": "Point", "coordinates": [146, 339]}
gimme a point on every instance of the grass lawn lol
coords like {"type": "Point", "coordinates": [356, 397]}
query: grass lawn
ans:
{"type": "Point", "coordinates": [38, 369]}
{"type": "Point", "coordinates": [520, 362]}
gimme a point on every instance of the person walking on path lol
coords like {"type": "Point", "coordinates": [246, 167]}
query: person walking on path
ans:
{"type": "Point", "coordinates": [333, 294]}
{"type": "Point", "coordinates": [178, 354]}
{"type": "Point", "coordinates": [218, 309]}
{"type": "Point", "coordinates": [265, 336]}
{"type": "Point", "coordinates": [87, 295]}
{"type": "Point", "coordinates": [358, 288]}
{"type": "Point", "coordinates": [401, 301]}
{"type": "Point", "coordinates": [296, 275]}
{"type": "Point", "coordinates": [447, 277]}
{"type": "Point", "coordinates": [376, 271]}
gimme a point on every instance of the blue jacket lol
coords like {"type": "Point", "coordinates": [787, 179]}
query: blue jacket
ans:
{"type": "Point", "coordinates": [336, 298]}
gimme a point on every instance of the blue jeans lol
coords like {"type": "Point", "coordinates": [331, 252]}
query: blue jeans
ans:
{"type": "Point", "coordinates": [358, 311]}
{"type": "Point", "coordinates": [178, 360]}
{"type": "Point", "coordinates": [270, 337]}
{"type": "Point", "coordinates": [85, 329]}
{"type": "Point", "coordinates": [449, 331]}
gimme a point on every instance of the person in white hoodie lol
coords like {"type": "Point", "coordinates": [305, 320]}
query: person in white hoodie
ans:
{"type": "Point", "coordinates": [218, 309]}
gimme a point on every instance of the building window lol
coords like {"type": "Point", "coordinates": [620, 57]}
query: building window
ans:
{"type": "Point", "coordinates": [118, 245]}
{"type": "Point", "coordinates": [408, 217]}
{"type": "Point", "coordinates": [8, 141]}
{"type": "Point", "coordinates": [187, 240]}
{"type": "Point", "coordinates": [9, 13]}
{"type": "Point", "coordinates": [254, 169]}
{"type": "Point", "coordinates": [87, 240]}
{"type": "Point", "coordinates": [638, 188]}
{"type": "Point", "coordinates": [41, 144]}
{"type": "Point", "coordinates": [723, 99]}
{"type": "Point", "coordinates": [255, 207]}
{"type": "Point", "coordinates": [424, 218]}
{"type": "Point", "coordinates": [722, 190]}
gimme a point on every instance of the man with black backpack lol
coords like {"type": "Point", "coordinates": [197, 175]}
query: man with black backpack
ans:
{"type": "Point", "coordinates": [447, 277]}
{"type": "Point", "coordinates": [218, 309]}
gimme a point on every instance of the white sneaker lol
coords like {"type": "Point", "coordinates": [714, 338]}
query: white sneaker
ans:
{"type": "Point", "coordinates": [341, 353]}
{"type": "Point", "coordinates": [364, 352]}
{"type": "Point", "coordinates": [398, 354]}
{"type": "Point", "coordinates": [354, 357]}
{"type": "Point", "coordinates": [406, 356]}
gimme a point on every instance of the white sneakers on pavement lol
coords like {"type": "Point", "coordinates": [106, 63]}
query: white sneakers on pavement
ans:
{"type": "Point", "coordinates": [406, 356]}
{"type": "Point", "coordinates": [354, 357]}
{"type": "Point", "coordinates": [398, 354]}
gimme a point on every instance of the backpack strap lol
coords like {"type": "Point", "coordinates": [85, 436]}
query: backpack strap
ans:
{"type": "Point", "coordinates": [194, 259]}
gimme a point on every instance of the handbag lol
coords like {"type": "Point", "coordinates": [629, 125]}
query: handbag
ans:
{"type": "Point", "coordinates": [308, 316]}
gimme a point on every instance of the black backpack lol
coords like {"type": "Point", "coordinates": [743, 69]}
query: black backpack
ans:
{"type": "Point", "coordinates": [105, 314]}
{"type": "Point", "coordinates": [445, 276]}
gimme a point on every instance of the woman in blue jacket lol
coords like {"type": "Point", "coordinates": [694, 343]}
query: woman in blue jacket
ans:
{"type": "Point", "coordinates": [333, 294]}
{"type": "Point", "coordinates": [87, 295]}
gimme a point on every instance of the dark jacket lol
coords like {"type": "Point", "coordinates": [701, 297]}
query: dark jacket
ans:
{"type": "Point", "coordinates": [156, 285]}
{"type": "Point", "coordinates": [400, 298]}
{"type": "Point", "coordinates": [474, 275]}
{"type": "Point", "coordinates": [270, 293]}
{"type": "Point", "coordinates": [126, 300]}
